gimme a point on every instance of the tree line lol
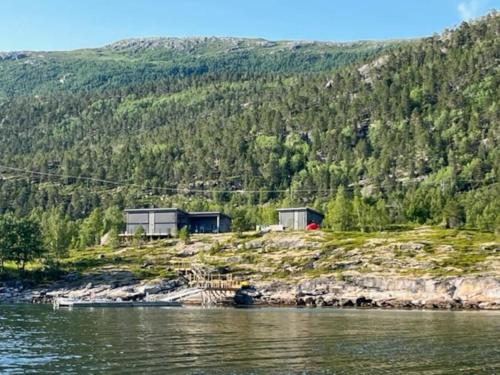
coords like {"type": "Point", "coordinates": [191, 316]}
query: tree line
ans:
{"type": "Point", "coordinates": [49, 236]}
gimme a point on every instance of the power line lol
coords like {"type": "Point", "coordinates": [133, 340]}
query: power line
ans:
{"type": "Point", "coordinates": [123, 183]}
{"type": "Point", "coordinates": [206, 191]}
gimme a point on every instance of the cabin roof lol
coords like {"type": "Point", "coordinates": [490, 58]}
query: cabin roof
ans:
{"type": "Point", "coordinates": [207, 213]}
{"type": "Point", "coordinates": [153, 209]}
{"type": "Point", "coordinates": [292, 209]}
{"type": "Point", "coordinates": [173, 209]}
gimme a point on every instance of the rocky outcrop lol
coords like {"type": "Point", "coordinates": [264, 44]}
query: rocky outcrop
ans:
{"type": "Point", "coordinates": [367, 70]}
{"type": "Point", "coordinates": [387, 292]}
{"type": "Point", "coordinates": [195, 45]}
{"type": "Point", "coordinates": [113, 290]}
{"type": "Point", "coordinates": [16, 55]}
{"type": "Point", "coordinates": [186, 44]}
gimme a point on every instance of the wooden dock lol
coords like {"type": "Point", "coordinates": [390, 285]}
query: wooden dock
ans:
{"type": "Point", "coordinates": [71, 303]}
{"type": "Point", "coordinates": [215, 288]}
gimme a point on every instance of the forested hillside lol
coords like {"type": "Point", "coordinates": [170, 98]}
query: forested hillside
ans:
{"type": "Point", "coordinates": [374, 133]}
{"type": "Point", "coordinates": [126, 64]}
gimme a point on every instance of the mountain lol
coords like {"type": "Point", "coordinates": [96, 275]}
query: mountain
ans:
{"type": "Point", "coordinates": [145, 60]}
{"type": "Point", "coordinates": [398, 132]}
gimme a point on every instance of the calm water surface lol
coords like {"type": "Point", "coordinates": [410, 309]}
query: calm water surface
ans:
{"type": "Point", "coordinates": [240, 341]}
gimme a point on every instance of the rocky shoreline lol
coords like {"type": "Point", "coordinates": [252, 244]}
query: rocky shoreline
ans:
{"type": "Point", "coordinates": [478, 293]}
{"type": "Point", "coordinates": [471, 292]}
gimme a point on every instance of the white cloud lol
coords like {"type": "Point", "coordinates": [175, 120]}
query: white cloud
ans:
{"type": "Point", "coordinates": [471, 9]}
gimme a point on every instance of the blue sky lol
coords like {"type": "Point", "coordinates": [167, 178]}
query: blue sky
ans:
{"type": "Point", "coordinates": [71, 24]}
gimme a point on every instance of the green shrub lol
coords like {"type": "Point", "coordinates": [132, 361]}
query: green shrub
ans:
{"type": "Point", "coordinates": [184, 234]}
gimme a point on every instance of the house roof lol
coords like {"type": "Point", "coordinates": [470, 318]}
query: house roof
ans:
{"type": "Point", "coordinates": [173, 209]}
{"type": "Point", "coordinates": [207, 213]}
{"type": "Point", "coordinates": [291, 209]}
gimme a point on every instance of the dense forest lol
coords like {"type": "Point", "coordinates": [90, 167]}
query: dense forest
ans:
{"type": "Point", "coordinates": [374, 134]}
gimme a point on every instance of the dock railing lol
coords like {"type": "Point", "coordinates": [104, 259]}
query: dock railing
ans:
{"type": "Point", "coordinates": [200, 277]}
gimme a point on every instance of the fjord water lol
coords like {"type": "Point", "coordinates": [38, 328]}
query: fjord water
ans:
{"type": "Point", "coordinates": [194, 340]}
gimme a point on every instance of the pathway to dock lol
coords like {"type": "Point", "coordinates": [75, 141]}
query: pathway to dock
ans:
{"type": "Point", "coordinates": [213, 287]}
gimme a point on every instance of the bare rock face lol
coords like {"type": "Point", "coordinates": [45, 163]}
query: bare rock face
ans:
{"type": "Point", "coordinates": [193, 248]}
{"type": "Point", "coordinates": [478, 290]}
{"type": "Point", "coordinates": [367, 71]}
{"type": "Point", "coordinates": [389, 292]}
{"type": "Point", "coordinates": [127, 293]}
{"type": "Point", "coordinates": [186, 44]}
{"type": "Point", "coordinates": [131, 292]}
{"type": "Point", "coordinates": [105, 239]}
{"type": "Point", "coordinates": [291, 242]}
{"type": "Point", "coordinates": [254, 244]}
{"type": "Point", "coordinates": [445, 248]}
{"type": "Point", "coordinates": [492, 247]}
{"type": "Point", "coordinates": [13, 55]}
{"type": "Point", "coordinates": [408, 246]}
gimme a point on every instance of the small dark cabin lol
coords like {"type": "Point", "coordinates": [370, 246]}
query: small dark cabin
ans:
{"type": "Point", "coordinates": [209, 222]}
{"type": "Point", "coordinates": [298, 218]}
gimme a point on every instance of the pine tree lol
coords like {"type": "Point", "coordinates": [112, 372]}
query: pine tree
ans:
{"type": "Point", "coordinates": [184, 234]}
{"type": "Point", "coordinates": [381, 218]}
{"type": "Point", "coordinates": [8, 238]}
{"type": "Point", "coordinates": [58, 233]}
{"type": "Point", "coordinates": [91, 229]}
{"type": "Point", "coordinates": [339, 212]}
{"type": "Point", "coordinates": [113, 239]}
{"type": "Point", "coordinates": [453, 215]}
{"type": "Point", "coordinates": [112, 220]}
{"type": "Point", "coordinates": [139, 235]}
{"type": "Point", "coordinates": [361, 217]}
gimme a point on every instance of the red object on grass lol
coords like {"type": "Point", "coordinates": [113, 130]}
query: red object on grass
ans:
{"type": "Point", "coordinates": [312, 226]}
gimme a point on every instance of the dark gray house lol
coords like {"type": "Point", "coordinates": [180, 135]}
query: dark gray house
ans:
{"type": "Point", "coordinates": [155, 221]}
{"type": "Point", "coordinates": [298, 218]}
{"type": "Point", "coordinates": [159, 222]}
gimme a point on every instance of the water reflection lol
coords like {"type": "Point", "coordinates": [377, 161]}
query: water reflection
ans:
{"type": "Point", "coordinates": [36, 338]}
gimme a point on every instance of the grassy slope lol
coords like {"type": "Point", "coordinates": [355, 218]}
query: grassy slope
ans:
{"type": "Point", "coordinates": [296, 256]}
